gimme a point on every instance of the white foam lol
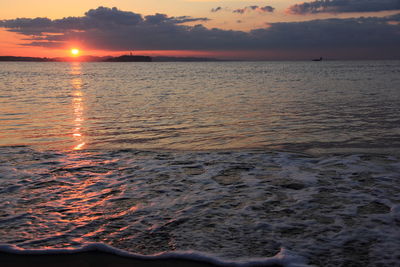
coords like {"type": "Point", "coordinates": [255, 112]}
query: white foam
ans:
{"type": "Point", "coordinates": [234, 204]}
{"type": "Point", "coordinates": [284, 257]}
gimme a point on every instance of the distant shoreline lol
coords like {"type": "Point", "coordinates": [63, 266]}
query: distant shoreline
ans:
{"type": "Point", "coordinates": [123, 58]}
{"type": "Point", "coordinates": [160, 59]}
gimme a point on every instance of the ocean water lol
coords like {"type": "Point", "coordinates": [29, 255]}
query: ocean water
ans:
{"type": "Point", "coordinates": [296, 161]}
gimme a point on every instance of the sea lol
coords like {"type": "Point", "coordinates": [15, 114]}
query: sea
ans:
{"type": "Point", "coordinates": [241, 163]}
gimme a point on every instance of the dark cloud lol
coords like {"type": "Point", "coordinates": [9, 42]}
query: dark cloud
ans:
{"type": "Point", "coordinates": [342, 6]}
{"type": "Point", "coordinates": [239, 10]}
{"type": "Point", "coordinates": [267, 9]}
{"type": "Point", "coordinates": [245, 9]}
{"type": "Point", "coordinates": [113, 15]}
{"type": "Point", "coordinates": [216, 9]}
{"type": "Point", "coordinates": [101, 18]}
{"type": "Point", "coordinates": [103, 29]}
{"type": "Point", "coordinates": [333, 33]}
{"type": "Point", "coordinates": [184, 19]}
{"type": "Point", "coordinates": [251, 8]}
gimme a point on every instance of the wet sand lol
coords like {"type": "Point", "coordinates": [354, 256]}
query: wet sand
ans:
{"type": "Point", "coordinates": [89, 259]}
{"type": "Point", "coordinates": [95, 259]}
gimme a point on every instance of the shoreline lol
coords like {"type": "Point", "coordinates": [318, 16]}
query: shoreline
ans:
{"type": "Point", "coordinates": [98, 254]}
{"type": "Point", "coordinates": [91, 258]}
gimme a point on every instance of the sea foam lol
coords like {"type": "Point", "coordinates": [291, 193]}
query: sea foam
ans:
{"type": "Point", "coordinates": [234, 205]}
{"type": "Point", "coordinates": [284, 257]}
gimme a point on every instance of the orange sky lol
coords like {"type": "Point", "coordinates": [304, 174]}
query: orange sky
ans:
{"type": "Point", "coordinates": [12, 43]}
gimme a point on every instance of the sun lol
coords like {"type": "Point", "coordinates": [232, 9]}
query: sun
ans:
{"type": "Point", "coordinates": [75, 52]}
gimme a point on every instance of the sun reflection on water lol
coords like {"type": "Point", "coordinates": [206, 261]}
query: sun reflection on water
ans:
{"type": "Point", "coordinates": [77, 105]}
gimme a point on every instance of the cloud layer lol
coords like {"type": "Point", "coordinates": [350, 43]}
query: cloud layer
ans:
{"type": "Point", "coordinates": [113, 29]}
{"type": "Point", "coordinates": [216, 9]}
{"type": "Point", "coordinates": [246, 9]}
{"type": "Point", "coordinates": [254, 8]}
{"type": "Point", "coordinates": [343, 6]}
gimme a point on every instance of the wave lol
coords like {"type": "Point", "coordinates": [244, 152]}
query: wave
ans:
{"type": "Point", "coordinates": [284, 258]}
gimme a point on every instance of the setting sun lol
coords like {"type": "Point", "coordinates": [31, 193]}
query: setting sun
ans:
{"type": "Point", "coordinates": [75, 52]}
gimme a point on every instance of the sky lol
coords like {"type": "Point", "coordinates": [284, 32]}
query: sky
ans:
{"type": "Point", "coordinates": [257, 30]}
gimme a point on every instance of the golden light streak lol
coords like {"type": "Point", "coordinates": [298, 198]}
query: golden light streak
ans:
{"type": "Point", "coordinates": [77, 106]}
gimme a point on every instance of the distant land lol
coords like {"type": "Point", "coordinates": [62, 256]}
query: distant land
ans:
{"type": "Point", "coordinates": [185, 59]}
{"type": "Point", "coordinates": [129, 58]}
{"type": "Point", "coordinates": [123, 58]}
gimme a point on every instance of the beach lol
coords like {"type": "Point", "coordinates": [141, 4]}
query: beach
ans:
{"type": "Point", "coordinates": [92, 259]}
{"type": "Point", "coordinates": [103, 255]}
{"type": "Point", "coordinates": [88, 259]}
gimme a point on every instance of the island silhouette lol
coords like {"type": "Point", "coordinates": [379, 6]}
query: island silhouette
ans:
{"type": "Point", "coordinates": [123, 58]}
{"type": "Point", "coordinates": [129, 58]}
